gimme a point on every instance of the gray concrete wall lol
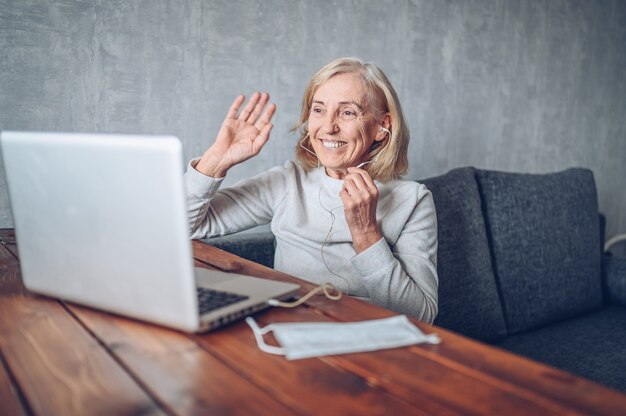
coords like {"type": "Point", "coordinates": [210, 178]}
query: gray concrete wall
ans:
{"type": "Point", "coordinates": [516, 85]}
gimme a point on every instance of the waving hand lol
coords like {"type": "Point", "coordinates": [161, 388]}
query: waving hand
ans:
{"type": "Point", "coordinates": [242, 135]}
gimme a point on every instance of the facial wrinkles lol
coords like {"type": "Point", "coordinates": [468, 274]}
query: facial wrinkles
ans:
{"type": "Point", "coordinates": [352, 150]}
{"type": "Point", "coordinates": [338, 124]}
{"type": "Point", "coordinates": [344, 139]}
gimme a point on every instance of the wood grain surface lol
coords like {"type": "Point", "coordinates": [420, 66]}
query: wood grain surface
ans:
{"type": "Point", "coordinates": [60, 358]}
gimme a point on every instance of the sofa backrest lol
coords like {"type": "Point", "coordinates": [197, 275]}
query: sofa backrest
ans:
{"type": "Point", "coordinates": [543, 232]}
{"type": "Point", "coordinates": [255, 246]}
{"type": "Point", "coordinates": [468, 297]}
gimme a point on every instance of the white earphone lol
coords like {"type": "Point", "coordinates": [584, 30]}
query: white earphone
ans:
{"type": "Point", "coordinates": [302, 145]}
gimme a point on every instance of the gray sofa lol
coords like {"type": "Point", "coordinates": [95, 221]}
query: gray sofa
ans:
{"type": "Point", "coordinates": [521, 267]}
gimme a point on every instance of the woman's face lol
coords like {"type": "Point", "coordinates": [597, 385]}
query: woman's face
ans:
{"type": "Point", "coordinates": [341, 126]}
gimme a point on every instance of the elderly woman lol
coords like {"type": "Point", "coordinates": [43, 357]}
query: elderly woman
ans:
{"type": "Point", "coordinates": [340, 214]}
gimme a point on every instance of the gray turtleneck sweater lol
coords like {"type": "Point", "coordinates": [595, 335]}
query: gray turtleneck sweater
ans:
{"type": "Point", "coordinates": [313, 241]}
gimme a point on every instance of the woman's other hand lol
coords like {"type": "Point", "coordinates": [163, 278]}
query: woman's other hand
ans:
{"type": "Point", "coordinates": [242, 135]}
{"type": "Point", "coordinates": [359, 195]}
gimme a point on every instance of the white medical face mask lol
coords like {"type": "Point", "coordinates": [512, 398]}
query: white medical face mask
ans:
{"type": "Point", "coordinates": [313, 339]}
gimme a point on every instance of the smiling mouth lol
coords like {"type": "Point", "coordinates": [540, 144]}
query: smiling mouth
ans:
{"type": "Point", "coordinates": [332, 144]}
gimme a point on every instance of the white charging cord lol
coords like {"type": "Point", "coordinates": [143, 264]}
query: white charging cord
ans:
{"type": "Point", "coordinates": [328, 288]}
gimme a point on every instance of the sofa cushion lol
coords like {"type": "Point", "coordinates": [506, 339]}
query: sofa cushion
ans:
{"type": "Point", "coordinates": [544, 236]}
{"type": "Point", "coordinates": [468, 296]}
{"type": "Point", "coordinates": [591, 346]}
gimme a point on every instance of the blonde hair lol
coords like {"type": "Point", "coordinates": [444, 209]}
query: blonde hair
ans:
{"type": "Point", "coordinates": [389, 156]}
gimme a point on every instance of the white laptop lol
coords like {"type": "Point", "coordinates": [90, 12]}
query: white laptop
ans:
{"type": "Point", "coordinates": [101, 220]}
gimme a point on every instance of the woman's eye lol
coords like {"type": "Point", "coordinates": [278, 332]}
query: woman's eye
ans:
{"type": "Point", "coordinates": [348, 114]}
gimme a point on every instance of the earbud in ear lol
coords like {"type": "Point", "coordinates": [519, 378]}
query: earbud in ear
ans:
{"type": "Point", "coordinates": [385, 130]}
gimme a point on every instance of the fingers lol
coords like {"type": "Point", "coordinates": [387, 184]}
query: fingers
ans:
{"type": "Point", "coordinates": [359, 182]}
{"type": "Point", "coordinates": [266, 118]}
{"type": "Point", "coordinates": [234, 108]}
{"type": "Point", "coordinates": [359, 196]}
{"type": "Point", "coordinates": [253, 108]}
{"type": "Point", "coordinates": [251, 113]}
{"type": "Point", "coordinates": [262, 138]}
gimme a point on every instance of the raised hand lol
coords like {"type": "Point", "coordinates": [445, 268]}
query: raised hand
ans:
{"type": "Point", "coordinates": [242, 135]}
{"type": "Point", "coordinates": [359, 195]}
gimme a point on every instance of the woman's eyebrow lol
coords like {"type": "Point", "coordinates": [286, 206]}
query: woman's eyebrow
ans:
{"type": "Point", "coordinates": [351, 102]}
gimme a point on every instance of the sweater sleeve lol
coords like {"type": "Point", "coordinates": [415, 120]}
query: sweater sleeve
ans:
{"type": "Point", "coordinates": [251, 202]}
{"type": "Point", "coordinates": [403, 278]}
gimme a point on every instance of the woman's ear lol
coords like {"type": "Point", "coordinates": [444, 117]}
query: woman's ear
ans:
{"type": "Point", "coordinates": [384, 128]}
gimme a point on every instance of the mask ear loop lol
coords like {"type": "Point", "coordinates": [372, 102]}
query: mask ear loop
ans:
{"type": "Point", "coordinates": [258, 335]}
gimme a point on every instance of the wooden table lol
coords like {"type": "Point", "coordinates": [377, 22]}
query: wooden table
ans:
{"type": "Point", "coordinates": [61, 359]}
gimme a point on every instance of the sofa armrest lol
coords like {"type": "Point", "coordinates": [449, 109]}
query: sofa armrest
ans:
{"type": "Point", "coordinates": [258, 247]}
{"type": "Point", "coordinates": [614, 279]}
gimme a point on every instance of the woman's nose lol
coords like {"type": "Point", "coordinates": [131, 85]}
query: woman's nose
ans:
{"type": "Point", "coordinates": [330, 123]}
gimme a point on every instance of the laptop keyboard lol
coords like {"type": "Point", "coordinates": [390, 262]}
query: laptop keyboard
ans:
{"type": "Point", "coordinates": [209, 299]}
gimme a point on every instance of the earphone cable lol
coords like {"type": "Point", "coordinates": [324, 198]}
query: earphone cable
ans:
{"type": "Point", "coordinates": [332, 225]}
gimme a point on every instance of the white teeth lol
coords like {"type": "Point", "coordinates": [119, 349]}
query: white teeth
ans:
{"type": "Point", "coordinates": [332, 145]}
